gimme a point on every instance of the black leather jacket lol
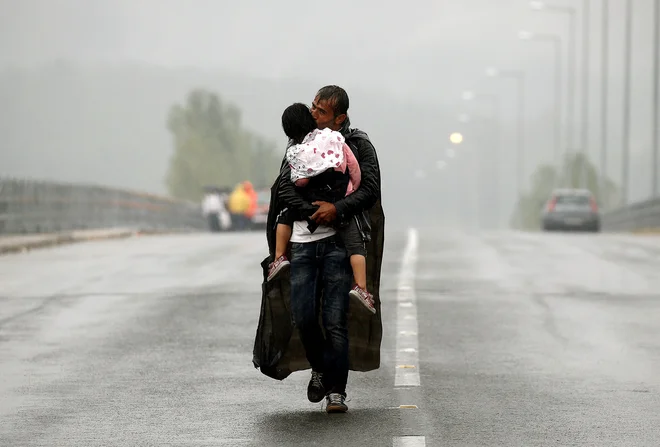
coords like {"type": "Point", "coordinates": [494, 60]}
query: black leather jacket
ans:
{"type": "Point", "coordinates": [355, 205]}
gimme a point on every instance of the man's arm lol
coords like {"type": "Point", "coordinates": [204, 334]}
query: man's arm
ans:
{"type": "Point", "coordinates": [289, 196]}
{"type": "Point", "coordinates": [368, 193]}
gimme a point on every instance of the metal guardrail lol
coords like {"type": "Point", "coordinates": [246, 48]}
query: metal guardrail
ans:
{"type": "Point", "coordinates": [32, 207]}
{"type": "Point", "coordinates": [641, 216]}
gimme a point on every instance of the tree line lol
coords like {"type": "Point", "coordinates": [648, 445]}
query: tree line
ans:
{"type": "Point", "coordinates": [212, 148]}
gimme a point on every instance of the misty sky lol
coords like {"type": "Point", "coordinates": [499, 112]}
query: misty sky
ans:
{"type": "Point", "coordinates": [450, 40]}
{"type": "Point", "coordinates": [426, 51]}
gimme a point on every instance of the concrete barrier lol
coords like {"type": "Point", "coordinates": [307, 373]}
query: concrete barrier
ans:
{"type": "Point", "coordinates": [24, 243]}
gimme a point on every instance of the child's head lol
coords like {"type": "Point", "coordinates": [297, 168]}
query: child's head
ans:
{"type": "Point", "coordinates": [297, 122]}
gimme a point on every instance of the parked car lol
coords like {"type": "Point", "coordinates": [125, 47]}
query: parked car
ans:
{"type": "Point", "coordinates": [571, 210]}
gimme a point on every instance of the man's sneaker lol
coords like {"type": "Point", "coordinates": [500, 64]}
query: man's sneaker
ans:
{"type": "Point", "coordinates": [363, 297]}
{"type": "Point", "coordinates": [335, 403]}
{"type": "Point", "coordinates": [275, 267]}
{"type": "Point", "coordinates": [315, 389]}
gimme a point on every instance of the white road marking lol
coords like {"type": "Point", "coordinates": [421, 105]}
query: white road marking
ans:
{"type": "Point", "coordinates": [407, 358]}
{"type": "Point", "coordinates": [409, 441]}
{"type": "Point", "coordinates": [407, 340]}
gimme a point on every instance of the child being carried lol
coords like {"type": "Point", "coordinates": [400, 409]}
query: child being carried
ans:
{"type": "Point", "coordinates": [315, 152]}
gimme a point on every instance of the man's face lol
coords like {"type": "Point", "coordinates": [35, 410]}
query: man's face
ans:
{"type": "Point", "coordinates": [324, 115]}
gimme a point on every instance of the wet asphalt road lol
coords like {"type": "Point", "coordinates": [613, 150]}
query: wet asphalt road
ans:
{"type": "Point", "coordinates": [524, 340]}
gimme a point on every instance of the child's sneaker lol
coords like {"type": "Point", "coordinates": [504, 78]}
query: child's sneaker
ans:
{"type": "Point", "coordinates": [364, 297]}
{"type": "Point", "coordinates": [275, 267]}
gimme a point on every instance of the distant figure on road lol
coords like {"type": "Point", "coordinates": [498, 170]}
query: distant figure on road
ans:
{"type": "Point", "coordinates": [239, 206]}
{"type": "Point", "coordinates": [253, 201]}
{"type": "Point", "coordinates": [213, 208]}
{"type": "Point", "coordinates": [321, 275]}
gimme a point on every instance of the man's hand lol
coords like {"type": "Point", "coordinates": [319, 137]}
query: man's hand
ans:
{"type": "Point", "coordinates": [325, 214]}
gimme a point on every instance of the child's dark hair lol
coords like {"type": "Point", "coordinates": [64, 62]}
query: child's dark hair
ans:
{"type": "Point", "coordinates": [297, 122]}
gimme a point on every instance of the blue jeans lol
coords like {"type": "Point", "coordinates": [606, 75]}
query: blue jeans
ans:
{"type": "Point", "coordinates": [322, 264]}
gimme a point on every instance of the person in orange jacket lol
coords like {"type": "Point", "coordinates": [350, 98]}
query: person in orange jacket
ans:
{"type": "Point", "coordinates": [239, 204]}
{"type": "Point", "coordinates": [252, 194]}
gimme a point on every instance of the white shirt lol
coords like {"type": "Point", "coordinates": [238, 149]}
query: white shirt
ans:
{"type": "Point", "coordinates": [301, 235]}
{"type": "Point", "coordinates": [211, 204]}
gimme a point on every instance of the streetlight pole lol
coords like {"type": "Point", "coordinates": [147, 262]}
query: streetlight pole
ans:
{"type": "Point", "coordinates": [572, 61]}
{"type": "Point", "coordinates": [585, 93]}
{"type": "Point", "coordinates": [626, 105]}
{"type": "Point", "coordinates": [604, 102]}
{"type": "Point", "coordinates": [464, 119]}
{"type": "Point", "coordinates": [656, 100]}
{"type": "Point", "coordinates": [495, 104]}
{"type": "Point", "coordinates": [572, 53]}
{"type": "Point", "coordinates": [458, 199]}
{"type": "Point", "coordinates": [519, 76]}
{"type": "Point", "coordinates": [556, 41]}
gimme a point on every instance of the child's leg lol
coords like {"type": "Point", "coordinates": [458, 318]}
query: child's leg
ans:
{"type": "Point", "coordinates": [282, 236]}
{"type": "Point", "coordinates": [359, 265]}
{"type": "Point", "coordinates": [357, 253]}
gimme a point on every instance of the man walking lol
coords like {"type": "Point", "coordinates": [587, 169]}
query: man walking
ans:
{"type": "Point", "coordinates": [319, 262]}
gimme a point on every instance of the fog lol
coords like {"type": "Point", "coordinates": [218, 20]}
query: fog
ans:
{"type": "Point", "coordinates": [86, 87]}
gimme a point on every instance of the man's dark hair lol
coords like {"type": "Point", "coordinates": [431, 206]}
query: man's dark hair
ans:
{"type": "Point", "coordinates": [297, 122]}
{"type": "Point", "coordinates": [336, 96]}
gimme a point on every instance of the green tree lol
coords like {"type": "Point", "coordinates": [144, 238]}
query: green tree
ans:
{"type": "Point", "coordinates": [527, 214]}
{"type": "Point", "coordinates": [212, 148]}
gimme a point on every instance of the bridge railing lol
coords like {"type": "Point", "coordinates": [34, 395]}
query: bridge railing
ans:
{"type": "Point", "coordinates": [639, 217]}
{"type": "Point", "coordinates": [32, 207]}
